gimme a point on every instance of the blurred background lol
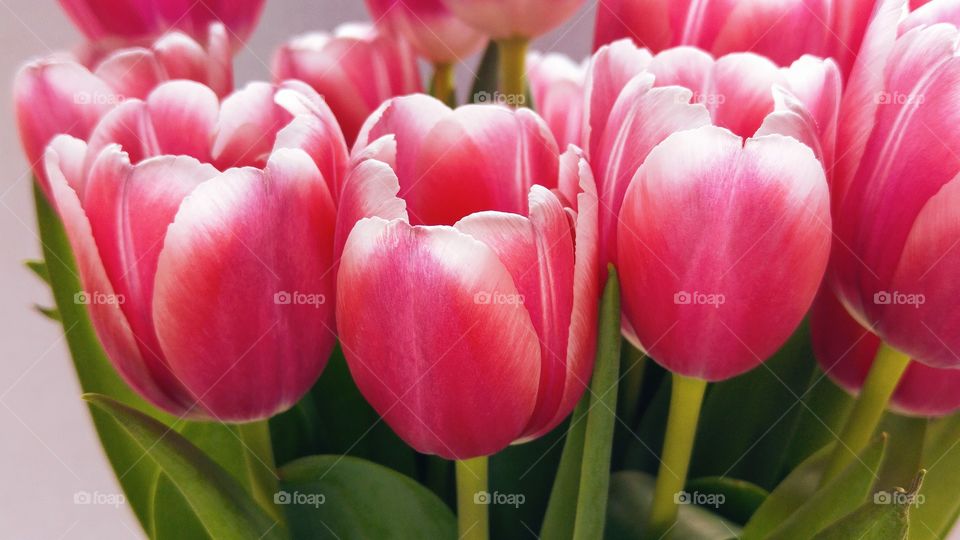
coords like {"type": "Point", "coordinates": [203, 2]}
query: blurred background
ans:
{"type": "Point", "coordinates": [49, 454]}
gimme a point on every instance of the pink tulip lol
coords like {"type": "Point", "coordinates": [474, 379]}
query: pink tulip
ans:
{"type": "Point", "coordinates": [469, 276]}
{"type": "Point", "coordinates": [782, 31]}
{"type": "Point", "coordinates": [634, 101]}
{"type": "Point", "coordinates": [502, 19]}
{"type": "Point", "coordinates": [846, 351]}
{"type": "Point", "coordinates": [61, 95]}
{"type": "Point", "coordinates": [355, 69]}
{"type": "Point", "coordinates": [209, 286]}
{"type": "Point", "coordinates": [556, 84]}
{"type": "Point", "coordinates": [433, 31]}
{"type": "Point", "coordinates": [135, 20]}
{"type": "Point", "coordinates": [897, 189]}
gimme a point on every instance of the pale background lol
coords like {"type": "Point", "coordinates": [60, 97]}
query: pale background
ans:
{"type": "Point", "coordinates": [48, 448]}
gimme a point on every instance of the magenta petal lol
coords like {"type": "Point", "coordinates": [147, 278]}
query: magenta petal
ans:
{"type": "Point", "coordinates": [611, 68]}
{"type": "Point", "coordinates": [462, 386]}
{"type": "Point", "coordinates": [370, 190]}
{"type": "Point", "coordinates": [716, 288]}
{"type": "Point", "coordinates": [132, 73]}
{"type": "Point", "coordinates": [246, 322]}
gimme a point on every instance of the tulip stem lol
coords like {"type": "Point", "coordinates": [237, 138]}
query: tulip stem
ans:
{"type": "Point", "coordinates": [686, 398]}
{"type": "Point", "coordinates": [601, 419]}
{"type": "Point", "coordinates": [261, 468]}
{"type": "Point", "coordinates": [513, 78]}
{"type": "Point", "coordinates": [885, 374]}
{"type": "Point", "coordinates": [472, 499]}
{"type": "Point", "coordinates": [442, 86]}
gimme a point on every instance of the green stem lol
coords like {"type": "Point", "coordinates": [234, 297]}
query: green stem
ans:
{"type": "Point", "coordinates": [442, 86]}
{"type": "Point", "coordinates": [885, 374]}
{"type": "Point", "coordinates": [513, 57]}
{"type": "Point", "coordinates": [473, 499]}
{"type": "Point", "coordinates": [559, 520]}
{"type": "Point", "coordinates": [601, 419]}
{"type": "Point", "coordinates": [634, 366]}
{"type": "Point", "coordinates": [686, 398]}
{"type": "Point", "coordinates": [260, 464]}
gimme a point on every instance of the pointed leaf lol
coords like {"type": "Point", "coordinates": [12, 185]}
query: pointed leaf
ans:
{"type": "Point", "coordinates": [740, 498]}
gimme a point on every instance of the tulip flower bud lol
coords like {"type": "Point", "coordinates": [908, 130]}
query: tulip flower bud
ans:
{"type": "Point", "coordinates": [556, 84]}
{"type": "Point", "coordinates": [501, 19]}
{"type": "Point", "coordinates": [897, 188]}
{"type": "Point", "coordinates": [355, 69]}
{"type": "Point", "coordinates": [781, 31]}
{"type": "Point", "coordinates": [846, 351]}
{"type": "Point", "coordinates": [135, 20]}
{"type": "Point", "coordinates": [204, 238]}
{"type": "Point", "coordinates": [68, 95]}
{"type": "Point", "coordinates": [469, 243]}
{"type": "Point", "coordinates": [430, 28]}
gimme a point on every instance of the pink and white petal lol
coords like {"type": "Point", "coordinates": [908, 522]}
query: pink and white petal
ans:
{"type": "Point", "coordinates": [248, 124]}
{"type": "Point", "coordinates": [770, 28]}
{"type": "Point", "coordinates": [127, 126]}
{"type": "Point", "coordinates": [245, 321]}
{"type": "Point", "coordinates": [184, 58]}
{"type": "Point", "coordinates": [409, 119]}
{"type": "Point", "coordinates": [937, 11]}
{"type": "Point", "coordinates": [792, 119]}
{"type": "Point", "coordinates": [639, 121]}
{"type": "Point", "coordinates": [65, 154]}
{"type": "Point", "coordinates": [714, 290]}
{"type": "Point", "coordinates": [369, 191]}
{"type": "Point", "coordinates": [739, 93]}
{"type": "Point", "coordinates": [132, 73]}
{"type": "Point", "coordinates": [314, 129]}
{"type": "Point", "coordinates": [184, 116]}
{"type": "Point", "coordinates": [611, 68]}
{"type": "Point", "coordinates": [464, 385]}
{"type": "Point", "coordinates": [689, 67]}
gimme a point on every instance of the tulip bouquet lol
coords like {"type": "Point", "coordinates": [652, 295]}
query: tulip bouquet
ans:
{"type": "Point", "coordinates": [701, 285]}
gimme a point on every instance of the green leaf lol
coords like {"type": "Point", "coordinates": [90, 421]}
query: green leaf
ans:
{"type": "Point", "coordinates": [795, 489]}
{"type": "Point", "coordinates": [941, 458]}
{"type": "Point", "coordinates": [562, 509]}
{"type": "Point", "coordinates": [740, 498]}
{"type": "Point", "coordinates": [136, 474]}
{"type": "Point", "coordinates": [765, 403]}
{"type": "Point", "coordinates": [601, 417]}
{"type": "Point", "coordinates": [49, 312]}
{"type": "Point", "coordinates": [346, 497]}
{"type": "Point", "coordinates": [39, 268]}
{"type": "Point", "coordinates": [822, 506]}
{"type": "Point", "coordinates": [219, 501]}
{"type": "Point", "coordinates": [886, 517]}
{"type": "Point", "coordinates": [631, 494]}
{"type": "Point", "coordinates": [487, 81]}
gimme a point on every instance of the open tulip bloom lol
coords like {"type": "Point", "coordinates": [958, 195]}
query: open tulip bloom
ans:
{"type": "Point", "coordinates": [344, 303]}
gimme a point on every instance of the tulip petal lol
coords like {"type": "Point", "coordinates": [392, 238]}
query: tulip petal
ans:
{"type": "Point", "coordinates": [715, 288]}
{"type": "Point", "coordinates": [740, 92]}
{"type": "Point", "coordinates": [66, 155]}
{"type": "Point", "coordinates": [611, 68]}
{"type": "Point", "coordinates": [132, 73]}
{"type": "Point", "coordinates": [247, 322]}
{"type": "Point", "coordinates": [462, 386]}
{"type": "Point", "coordinates": [370, 190]}
{"type": "Point", "coordinates": [249, 122]}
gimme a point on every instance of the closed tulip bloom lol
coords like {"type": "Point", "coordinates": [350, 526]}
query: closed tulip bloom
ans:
{"type": "Point", "coordinates": [556, 85]}
{"type": "Point", "coordinates": [430, 28]}
{"type": "Point", "coordinates": [635, 100]}
{"type": "Point", "coordinates": [204, 238]}
{"type": "Point", "coordinates": [898, 189]}
{"type": "Point", "coordinates": [501, 19]}
{"type": "Point", "coordinates": [846, 351]}
{"type": "Point", "coordinates": [134, 20]}
{"type": "Point", "coordinates": [469, 278]}
{"type": "Point", "coordinates": [782, 31]}
{"type": "Point", "coordinates": [356, 68]}
{"type": "Point", "coordinates": [64, 94]}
